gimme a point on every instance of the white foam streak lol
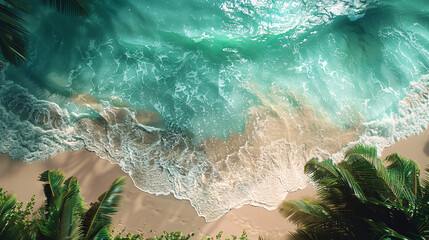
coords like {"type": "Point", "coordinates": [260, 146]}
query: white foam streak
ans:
{"type": "Point", "coordinates": [411, 119]}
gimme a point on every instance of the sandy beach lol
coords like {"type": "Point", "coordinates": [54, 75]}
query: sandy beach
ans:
{"type": "Point", "coordinates": [415, 147]}
{"type": "Point", "coordinates": [141, 212]}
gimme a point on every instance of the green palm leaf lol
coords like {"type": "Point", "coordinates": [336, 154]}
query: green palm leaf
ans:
{"type": "Point", "coordinates": [345, 175]}
{"type": "Point", "coordinates": [409, 172]}
{"type": "Point", "coordinates": [323, 173]}
{"type": "Point", "coordinates": [7, 205]}
{"type": "Point", "coordinates": [321, 170]}
{"type": "Point", "coordinates": [318, 234]}
{"type": "Point", "coordinates": [383, 232]}
{"type": "Point", "coordinates": [13, 35]}
{"type": "Point", "coordinates": [71, 209]}
{"type": "Point", "coordinates": [314, 219]}
{"type": "Point", "coordinates": [13, 31]}
{"type": "Point", "coordinates": [422, 218]}
{"type": "Point", "coordinates": [70, 7]}
{"type": "Point", "coordinates": [64, 222]}
{"type": "Point", "coordinates": [103, 234]}
{"type": "Point", "coordinates": [368, 178]}
{"type": "Point", "coordinates": [360, 198]}
{"type": "Point", "coordinates": [368, 152]}
{"type": "Point", "coordinates": [402, 190]}
{"type": "Point", "coordinates": [18, 4]}
{"type": "Point", "coordinates": [302, 235]}
{"type": "Point", "coordinates": [53, 181]}
{"type": "Point", "coordinates": [304, 211]}
{"type": "Point", "coordinates": [8, 230]}
{"type": "Point", "coordinates": [98, 215]}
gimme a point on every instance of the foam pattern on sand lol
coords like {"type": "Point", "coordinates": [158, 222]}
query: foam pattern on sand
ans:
{"type": "Point", "coordinates": [256, 167]}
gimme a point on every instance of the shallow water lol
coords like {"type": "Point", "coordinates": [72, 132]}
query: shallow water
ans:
{"type": "Point", "coordinates": [219, 102]}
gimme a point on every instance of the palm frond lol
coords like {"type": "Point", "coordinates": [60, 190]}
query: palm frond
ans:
{"type": "Point", "coordinates": [76, 230]}
{"type": "Point", "coordinates": [421, 219]}
{"type": "Point", "coordinates": [325, 175]}
{"type": "Point", "coordinates": [262, 237]}
{"type": "Point", "coordinates": [345, 175]}
{"type": "Point", "coordinates": [368, 152]}
{"type": "Point", "coordinates": [424, 200]}
{"type": "Point", "coordinates": [393, 176]}
{"type": "Point", "coordinates": [71, 7]}
{"type": "Point", "coordinates": [64, 222]}
{"type": "Point", "coordinates": [103, 234]}
{"type": "Point", "coordinates": [303, 211]}
{"type": "Point", "coordinates": [7, 228]}
{"type": "Point", "coordinates": [301, 234]}
{"type": "Point", "coordinates": [53, 180]}
{"type": "Point", "coordinates": [13, 35]}
{"type": "Point", "coordinates": [409, 172]}
{"type": "Point", "coordinates": [7, 205]}
{"type": "Point", "coordinates": [18, 4]}
{"type": "Point", "coordinates": [368, 177]}
{"type": "Point", "coordinates": [360, 198]}
{"type": "Point", "coordinates": [98, 215]}
{"type": "Point", "coordinates": [379, 230]}
{"type": "Point", "coordinates": [68, 222]}
{"type": "Point", "coordinates": [319, 234]}
{"type": "Point", "coordinates": [322, 173]}
{"type": "Point", "coordinates": [48, 226]}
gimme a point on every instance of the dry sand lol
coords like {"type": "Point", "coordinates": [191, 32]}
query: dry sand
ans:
{"type": "Point", "coordinates": [142, 212]}
{"type": "Point", "coordinates": [415, 147]}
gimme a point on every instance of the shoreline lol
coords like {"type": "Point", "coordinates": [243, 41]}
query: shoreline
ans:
{"type": "Point", "coordinates": [141, 212]}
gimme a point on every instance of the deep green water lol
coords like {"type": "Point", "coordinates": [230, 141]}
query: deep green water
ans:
{"type": "Point", "coordinates": [201, 66]}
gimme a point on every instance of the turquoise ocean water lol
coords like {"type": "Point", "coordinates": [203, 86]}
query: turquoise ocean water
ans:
{"type": "Point", "coordinates": [219, 102]}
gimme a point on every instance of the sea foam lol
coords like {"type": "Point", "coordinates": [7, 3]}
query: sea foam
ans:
{"type": "Point", "coordinates": [257, 167]}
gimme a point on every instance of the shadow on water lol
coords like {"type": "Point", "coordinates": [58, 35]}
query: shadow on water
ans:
{"type": "Point", "coordinates": [59, 46]}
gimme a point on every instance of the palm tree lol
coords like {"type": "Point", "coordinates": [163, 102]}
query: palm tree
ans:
{"type": "Point", "coordinates": [360, 198]}
{"type": "Point", "coordinates": [13, 32]}
{"type": "Point", "coordinates": [65, 216]}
